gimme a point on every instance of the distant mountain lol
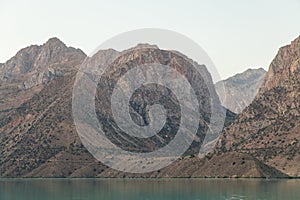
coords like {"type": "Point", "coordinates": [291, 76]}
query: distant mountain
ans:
{"type": "Point", "coordinates": [269, 128]}
{"type": "Point", "coordinates": [37, 132]}
{"type": "Point", "coordinates": [237, 92]}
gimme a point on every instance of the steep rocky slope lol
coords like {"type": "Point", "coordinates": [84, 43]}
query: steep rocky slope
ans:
{"type": "Point", "coordinates": [269, 129]}
{"type": "Point", "coordinates": [237, 92]}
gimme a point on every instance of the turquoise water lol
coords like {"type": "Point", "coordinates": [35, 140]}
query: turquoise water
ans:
{"type": "Point", "coordinates": [148, 189]}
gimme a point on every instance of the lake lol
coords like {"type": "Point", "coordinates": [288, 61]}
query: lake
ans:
{"type": "Point", "coordinates": [148, 189]}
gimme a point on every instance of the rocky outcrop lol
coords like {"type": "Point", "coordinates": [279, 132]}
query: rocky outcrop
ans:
{"type": "Point", "coordinates": [43, 77]}
{"type": "Point", "coordinates": [237, 92]}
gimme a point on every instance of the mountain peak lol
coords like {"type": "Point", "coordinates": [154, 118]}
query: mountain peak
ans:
{"type": "Point", "coordinates": [250, 73]}
{"type": "Point", "coordinates": [146, 45]}
{"type": "Point", "coordinates": [142, 46]}
{"type": "Point", "coordinates": [260, 69]}
{"type": "Point", "coordinates": [36, 60]}
{"type": "Point", "coordinates": [54, 42]}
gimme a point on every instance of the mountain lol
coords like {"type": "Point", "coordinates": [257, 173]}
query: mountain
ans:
{"type": "Point", "coordinates": [269, 128]}
{"type": "Point", "coordinates": [38, 136]}
{"type": "Point", "coordinates": [25, 73]}
{"type": "Point", "coordinates": [38, 63]}
{"type": "Point", "coordinates": [37, 132]}
{"type": "Point", "coordinates": [237, 92]}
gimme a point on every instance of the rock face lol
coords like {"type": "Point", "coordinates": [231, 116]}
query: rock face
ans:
{"type": "Point", "coordinates": [40, 78]}
{"type": "Point", "coordinates": [268, 129]}
{"type": "Point", "coordinates": [237, 92]}
{"type": "Point", "coordinates": [38, 136]}
{"type": "Point", "coordinates": [285, 66]}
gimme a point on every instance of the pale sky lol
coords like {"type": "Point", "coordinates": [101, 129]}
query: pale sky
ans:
{"type": "Point", "coordinates": [236, 34]}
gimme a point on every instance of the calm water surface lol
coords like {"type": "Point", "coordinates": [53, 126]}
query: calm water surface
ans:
{"type": "Point", "coordinates": [148, 189]}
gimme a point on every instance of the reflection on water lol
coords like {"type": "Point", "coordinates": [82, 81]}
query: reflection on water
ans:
{"type": "Point", "coordinates": [148, 189]}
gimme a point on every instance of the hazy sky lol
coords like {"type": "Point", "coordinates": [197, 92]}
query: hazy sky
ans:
{"type": "Point", "coordinates": [236, 34]}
